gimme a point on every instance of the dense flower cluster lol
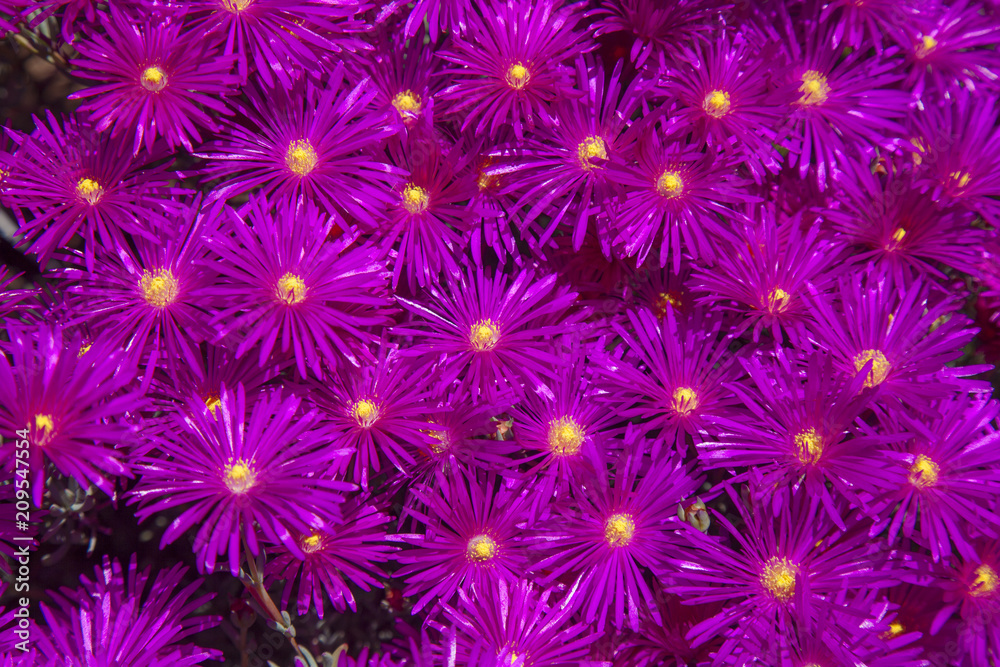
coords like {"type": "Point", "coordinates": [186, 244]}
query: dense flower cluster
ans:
{"type": "Point", "coordinates": [600, 332]}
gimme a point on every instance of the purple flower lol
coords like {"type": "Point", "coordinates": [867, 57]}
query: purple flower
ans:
{"type": "Point", "coordinates": [973, 589]}
{"type": "Point", "coordinates": [872, 22]}
{"type": "Point", "coordinates": [613, 528]}
{"type": "Point", "coordinates": [492, 332]}
{"type": "Point", "coordinates": [655, 28]}
{"type": "Point", "coordinates": [156, 80]}
{"type": "Point", "coordinates": [237, 472]}
{"type": "Point", "coordinates": [403, 77]}
{"type": "Point", "coordinates": [284, 281]}
{"type": "Point", "coordinates": [124, 620]}
{"type": "Point", "coordinates": [472, 537]}
{"type": "Point", "coordinates": [510, 64]}
{"type": "Point", "coordinates": [307, 141]}
{"type": "Point", "coordinates": [66, 402]}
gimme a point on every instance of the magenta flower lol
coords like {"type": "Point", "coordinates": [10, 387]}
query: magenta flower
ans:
{"type": "Point", "coordinates": [655, 28]}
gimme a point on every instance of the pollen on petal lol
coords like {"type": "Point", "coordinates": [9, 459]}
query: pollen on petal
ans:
{"type": "Point", "coordinates": [153, 79]}
{"type": "Point", "coordinates": [415, 199]}
{"type": "Point", "coordinates": [619, 530]}
{"type": "Point", "coordinates": [159, 288]}
{"type": "Point", "coordinates": [239, 477]}
{"type": "Point", "coordinates": [778, 578]}
{"type": "Point", "coordinates": [591, 147]}
{"type": "Point", "coordinates": [301, 157]}
{"type": "Point", "coordinates": [717, 103]}
{"type": "Point", "coordinates": [985, 581]}
{"type": "Point", "coordinates": [684, 401]}
{"type": "Point", "coordinates": [481, 548]}
{"type": "Point", "coordinates": [484, 335]}
{"type": "Point", "coordinates": [880, 366]}
{"type": "Point", "coordinates": [924, 472]}
{"type": "Point", "coordinates": [815, 89]}
{"type": "Point", "coordinates": [565, 436]}
{"type": "Point", "coordinates": [518, 76]}
{"type": "Point", "coordinates": [89, 190]}
{"type": "Point", "coordinates": [290, 290]}
{"type": "Point", "coordinates": [670, 184]}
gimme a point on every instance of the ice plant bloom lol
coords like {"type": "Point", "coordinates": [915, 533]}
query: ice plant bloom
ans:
{"type": "Point", "coordinates": [656, 29]}
{"type": "Point", "coordinates": [68, 403]}
{"type": "Point", "coordinates": [156, 79]}
{"type": "Point", "coordinates": [235, 473]}
{"type": "Point", "coordinates": [493, 331]}
{"type": "Point", "coordinates": [510, 64]}
{"type": "Point", "coordinates": [972, 588]}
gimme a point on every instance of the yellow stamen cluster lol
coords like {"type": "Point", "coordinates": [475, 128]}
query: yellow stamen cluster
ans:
{"type": "Point", "coordinates": [664, 299]}
{"type": "Point", "coordinates": [153, 79]}
{"type": "Point", "coordinates": [236, 6]}
{"type": "Point", "coordinates": [415, 199]}
{"type": "Point", "coordinates": [44, 427]}
{"type": "Point", "coordinates": [481, 548]}
{"type": "Point", "coordinates": [408, 104]}
{"type": "Point", "coordinates": [212, 402]}
{"type": "Point", "coordinates": [815, 90]}
{"type": "Point", "coordinates": [365, 412]}
{"type": "Point", "coordinates": [895, 629]}
{"type": "Point", "coordinates": [777, 300]}
{"type": "Point", "coordinates": [880, 366]}
{"type": "Point", "coordinates": [684, 401]}
{"type": "Point", "coordinates": [159, 288]}
{"type": "Point", "coordinates": [239, 477]}
{"type": "Point", "coordinates": [591, 147]}
{"type": "Point", "coordinates": [619, 530]}
{"type": "Point", "coordinates": [310, 544]}
{"type": "Point", "coordinates": [89, 190]}
{"type": "Point", "coordinates": [808, 446]}
{"type": "Point", "coordinates": [778, 578]}
{"type": "Point", "coordinates": [716, 103]}
{"type": "Point", "coordinates": [960, 178]}
{"type": "Point", "coordinates": [985, 582]}
{"type": "Point", "coordinates": [518, 76]}
{"type": "Point", "coordinates": [927, 44]}
{"type": "Point", "coordinates": [670, 184]}
{"type": "Point", "coordinates": [924, 472]}
{"type": "Point", "coordinates": [301, 158]}
{"type": "Point", "coordinates": [484, 335]}
{"type": "Point", "coordinates": [83, 349]}
{"type": "Point", "coordinates": [565, 436]}
{"type": "Point", "coordinates": [290, 290]}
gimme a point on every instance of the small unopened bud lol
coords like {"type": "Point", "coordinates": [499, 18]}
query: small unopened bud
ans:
{"type": "Point", "coordinates": [695, 514]}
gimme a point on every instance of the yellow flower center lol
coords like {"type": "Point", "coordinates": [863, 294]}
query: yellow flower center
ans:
{"type": "Point", "coordinates": [481, 548]}
{"type": "Point", "coordinates": [212, 402]}
{"type": "Point", "coordinates": [924, 472]}
{"type": "Point", "coordinates": [236, 6]}
{"type": "Point", "coordinates": [778, 578]}
{"type": "Point", "coordinates": [619, 530]}
{"type": "Point", "coordinates": [897, 239]}
{"type": "Point", "coordinates": [960, 178]}
{"type": "Point", "coordinates": [815, 90]}
{"type": "Point", "coordinates": [518, 76]}
{"type": "Point", "coordinates": [84, 348]}
{"type": "Point", "coordinates": [407, 103]}
{"type": "Point", "coordinates": [880, 367]}
{"type": "Point", "coordinates": [985, 582]}
{"type": "Point", "coordinates": [565, 436]}
{"type": "Point", "coordinates": [484, 335]}
{"type": "Point", "coordinates": [159, 288]}
{"type": "Point", "coordinates": [664, 299]}
{"type": "Point", "coordinates": [290, 289]}
{"type": "Point", "coordinates": [808, 446]}
{"type": "Point", "coordinates": [591, 147]}
{"type": "Point", "coordinates": [685, 400]}
{"type": "Point", "coordinates": [312, 543]}
{"type": "Point", "coordinates": [415, 199]}
{"type": "Point", "coordinates": [301, 157]}
{"type": "Point", "coordinates": [927, 44]}
{"type": "Point", "coordinates": [44, 423]}
{"type": "Point", "coordinates": [239, 477]}
{"type": "Point", "coordinates": [89, 190]}
{"type": "Point", "coordinates": [716, 103]}
{"type": "Point", "coordinates": [153, 79]}
{"type": "Point", "coordinates": [365, 412]}
{"type": "Point", "coordinates": [895, 629]}
{"type": "Point", "coordinates": [670, 184]}
{"type": "Point", "coordinates": [777, 300]}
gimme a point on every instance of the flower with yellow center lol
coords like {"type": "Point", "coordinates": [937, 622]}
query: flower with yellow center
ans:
{"type": "Point", "coordinates": [518, 76]}
{"type": "Point", "coordinates": [89, 190]}
{"type": "Point", "coordinates": [815, 90]}
{"type": "Point", "coordinates": [778, 578]}
{"type": "Point", "coordinates": [565, 436]}
{"type": "Point", "coordinates": [310, 544]}
{"type": "Point", "coordinates": [926, 45]}
{"type": "Point", "coordinates": [880, 366]}
{"type": "Point", "coordinates": [301, 158]}
{"type": "Point", "coordinates": [716, 103]}
{"type": "Point", "coordinates": [484, 335]}
{"type": "Point", "coordinates": [290, 290]}
{"type": "Point", "coordinates": [481, 548]}
{"type": "Point", "coordinates": [670, 184]}
{"type": "Point", "coordinates": [159, 288]}
{"type": "Point", "coordinates": [684, 401]}
{"type": "Point", "coordinates": [365, 412]}
{"type": "Point", "coordinates": [239, 477]}
{"type": "Point", "coordinates": [808, 446]}
{"type": "Point", "coordinates": [236, 6]}
{"type": "Point", "coordinates": [619, 530]}
{"type": "Point", "coordinates": [212, 402]}
{"type": "Point", "coordinates": [153, 79]}
{"type": "Point", "coordinates": [591, 147]}
{"type": "Point", "coordinates": [924, 472]}
{"type": "Point", "coordinates": [415, 199]}
{"type": "Point", "coordinates": [777, 300]}
{"type": "Point", "coordinates": [408, 104]}
{"type": "Point", "coordinates": [985, 582]}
